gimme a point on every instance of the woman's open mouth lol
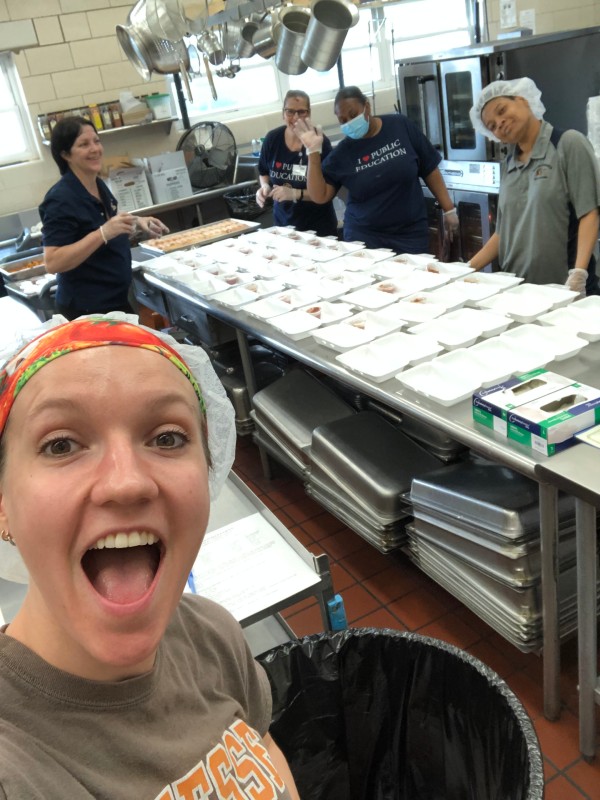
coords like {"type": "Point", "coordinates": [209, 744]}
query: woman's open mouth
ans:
{"type": "Point", "coordinates": [122, 567]}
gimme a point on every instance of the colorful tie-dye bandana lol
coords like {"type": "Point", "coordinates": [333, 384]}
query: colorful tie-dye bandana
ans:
{"type": "Point", "coordinates": [80, 335]}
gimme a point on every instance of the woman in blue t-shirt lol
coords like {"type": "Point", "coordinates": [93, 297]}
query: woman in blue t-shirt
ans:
{"type": "Point", "coordinates": [282, 168]}
{"type": "Point", "coordinates": [380, 163]}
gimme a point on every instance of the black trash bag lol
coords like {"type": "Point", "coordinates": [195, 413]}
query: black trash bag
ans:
{"type": "Point", "coordinates": [375, 714]}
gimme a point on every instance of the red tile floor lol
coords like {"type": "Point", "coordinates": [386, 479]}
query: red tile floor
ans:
{"type": "Point", "coordinates": [388, 591]}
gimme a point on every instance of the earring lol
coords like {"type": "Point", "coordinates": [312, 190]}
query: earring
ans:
{"type": "Point", "coordinates": [6, 537]}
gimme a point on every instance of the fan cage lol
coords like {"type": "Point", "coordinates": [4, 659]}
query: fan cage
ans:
{"type": "Point", "coordinates": [209, 166]}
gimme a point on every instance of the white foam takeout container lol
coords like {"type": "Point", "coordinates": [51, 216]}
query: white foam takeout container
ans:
{"type": "Point", "coordinates": [358, 330]}
{"type": "Point", "coordinates": [520, 307]}
{"type": "Point", "coordinates": [440, 381]}
{"type": "Point", "coordinates": [420, 307]}
{"type": "Point", "coordinates": [236, 297]}
{"type": "Point", "coordinates": [502, 357]}
{"type": "Point", "coordinates": [559, 296]}
{"type": "Point", "coordinates": [299, 323]}
{"type": "Point", "coordinates": [481, 285]}
{"type": "Point", "coordinates": [558, 343]}
{"type": "Point", "coordinates": [583, 320]}
{"type": "Point", "coordinates": [462, 328]}
{"type": "Point", "coordinates": [382, 358]}
{"type": "Point", "coordinates": [204, 283]}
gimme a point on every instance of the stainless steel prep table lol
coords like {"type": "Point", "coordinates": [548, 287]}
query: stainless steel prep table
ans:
{"type": "Point", "coordinates": [456, 421]}
{"type": "Point", "coordinates": [577, 472]}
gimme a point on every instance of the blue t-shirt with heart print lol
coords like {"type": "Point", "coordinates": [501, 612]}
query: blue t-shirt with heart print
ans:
{"type": "Point", "coordinates": [385, 205]}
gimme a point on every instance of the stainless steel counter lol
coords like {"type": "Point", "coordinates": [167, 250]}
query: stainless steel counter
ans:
{"type": "Point", "coordinates": [577, 471]}
{"type": "Point", "coordinates": [195, 199]}
{"type": "Point", "coordinates": [457, 422]}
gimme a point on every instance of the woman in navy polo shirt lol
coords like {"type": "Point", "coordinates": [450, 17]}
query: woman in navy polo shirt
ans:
{"type": "Point", "coordinates": [282, 168]}
{"type": "Point", "coordinates": [380, 163]}
{"type": "Point", "coordinates": [86, 242]}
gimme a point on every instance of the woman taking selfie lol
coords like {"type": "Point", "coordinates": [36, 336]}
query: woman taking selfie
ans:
{"type": "Point", "coordinates": [112, 684]}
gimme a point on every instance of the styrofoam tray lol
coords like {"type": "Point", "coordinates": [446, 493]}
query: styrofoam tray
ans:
{"type": "Point", "coordinates": [521, 307]}
{"type": "Point", "coordinates": [485, 323]}
{"type": "Point", "coordinates": [300, 322]}
{"type": "Point", "coordinates": [590, 436]}
{"type": "Point", "coordinates": [418, 259]}
{"type": "Point", "coordinates": [581, 320]}
{"type": "Point", "coordinates": [593, 301]}
{"type": "Point", "coordinates": [235, 298]}
{"type": "Point", "coordinates": [500, 356]}
{"type": "Point", "coordinates": [481, 285]}
{"type": "Point", "coordinates": [203, 283]}
{"type": "Point", "coordinates": [348, 263]}
{"type": "Point", "coordinates": [267, 307]}
{"type": "Point", "coordinates": [265, 287]}
{"type": "Point", "coordinates": [370, 298]}
{"type": "Point", "coordinates": [294, 262]}
{"type": "Point", "coordinates": [559, 343]}
{"type": "Point", "coordinates": [559, 296]}
{"type": "Point", "coordinates": [454, 269]}
{"type": "Point", "coordinates": [439, 382]}
{"type": "Point", "coordinates": [449, 333]}
{"type": "Point", "coordinates": [268, 269]}
{"type": "Point", "coordinates": [452, 295]}
{"type": "Point", "coordinates": [358, 330]}
{"type": "Point", "coordinates": [371, 255]}
{"type": "Point", "coordinates": [382, 358]}
{"type": "Point", "coordinates": [296, 298]}
{"type": "Point", "coordinates": [171, 269]}
{"type": "Point", "coordinates": [392, 269]}
{"type": "Point", "coordinates": [419, 307]}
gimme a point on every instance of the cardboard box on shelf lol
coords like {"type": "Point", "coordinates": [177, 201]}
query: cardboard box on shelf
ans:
{"type": "Point", "coordinates": [168, 176]}
{"type": "Point", "coordinates": [130, 187]}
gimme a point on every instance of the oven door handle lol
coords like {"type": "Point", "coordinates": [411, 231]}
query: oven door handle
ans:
{"type": "Point", "coordinates": [422, 80]}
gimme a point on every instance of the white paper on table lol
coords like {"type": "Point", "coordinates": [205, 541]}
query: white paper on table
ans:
{"type": "Point", "coordinates": [248, 567]}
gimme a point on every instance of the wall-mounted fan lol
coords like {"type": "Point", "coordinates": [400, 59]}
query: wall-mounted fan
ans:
{"type": "Point", "coordinates": [210, 154]}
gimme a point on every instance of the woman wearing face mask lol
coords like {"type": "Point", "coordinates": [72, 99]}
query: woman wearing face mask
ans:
{"type": "Point", "coordinates": [282, 168]}
{"type": "Point", "coordinates": [380, 163]}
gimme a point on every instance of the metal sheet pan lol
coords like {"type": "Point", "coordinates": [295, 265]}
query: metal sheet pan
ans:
{"type": "Point", "coordinates": [199, 236]}
{"type": "Point", "coordinates": [18, 271]}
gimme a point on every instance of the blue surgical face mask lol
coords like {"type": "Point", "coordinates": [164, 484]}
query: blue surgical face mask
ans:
{"type": "Point", "coordinates": [356, 128]}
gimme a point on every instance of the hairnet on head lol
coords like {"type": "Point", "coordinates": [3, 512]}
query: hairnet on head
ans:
{"type": "Point", "coordinates": [520, 87]}
{"type": "Point", "coordinates": [220, 416]}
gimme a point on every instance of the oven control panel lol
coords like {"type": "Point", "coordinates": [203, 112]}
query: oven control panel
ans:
{"type": "Point", "coordinates": [476, 176]}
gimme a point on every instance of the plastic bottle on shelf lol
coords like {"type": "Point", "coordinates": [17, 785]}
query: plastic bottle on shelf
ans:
{"type": "Point", "coordinates": [106, 117]}
{"type": "Point", "coordinates": [115, 113]}
{"type": "Point", "coordinates": [96, 116]}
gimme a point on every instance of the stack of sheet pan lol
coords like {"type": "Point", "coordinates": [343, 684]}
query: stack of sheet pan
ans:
{"type": "Point", "coordinates": [286, 413]}
{"type": "Point", "coordinates": [360, 469]}
{"type": "Point", "coordinates": [476, 532]}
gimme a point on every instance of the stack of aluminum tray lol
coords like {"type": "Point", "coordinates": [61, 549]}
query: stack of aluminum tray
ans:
{"type": "Point", "coordinates": [476, 532]}
{"type": "Point", "coordinates": [237, 392]}
{"type": "Point", "coordinates": [361, 469]}
{"type": "Point", "coordinates": [438, 443]}
{"type": "Point", "coordinates": [286, 413]}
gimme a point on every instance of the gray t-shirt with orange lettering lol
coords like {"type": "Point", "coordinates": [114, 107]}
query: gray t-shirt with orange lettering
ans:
{"type": "Point", "coordinates": [190, 728]}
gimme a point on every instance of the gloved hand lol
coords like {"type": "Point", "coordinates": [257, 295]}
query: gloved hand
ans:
{"type": "Point", "coordinates": [151, 226]}
{"type": "Point", "coordinates": [451, 224]}
{"type": "Point", "coordinates": [285, 194]}
{"type": "Point", "coordinates": [263, 192]}
{"type": "Point", "coordinates": [310, 136]}
{"type": "Point", "coordinates": [577, 280]}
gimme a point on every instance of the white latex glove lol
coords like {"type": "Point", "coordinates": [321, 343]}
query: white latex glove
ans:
{"type": "Point", "coordinates": [310, 136]}
{"type": "Point", "coordinates": [261, 195]}
{"type": "Point", "coordinates": [285, 194]}
{"type": "Point", "coordinates": [577, 280]}
{"type": "Point", "coordinates": [451, 224]}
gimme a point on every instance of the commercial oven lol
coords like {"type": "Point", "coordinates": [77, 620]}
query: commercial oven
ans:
{"type": "Point", "coordinates": [474, 187]}
{"type": "Point", "coordinates": [438, 91]}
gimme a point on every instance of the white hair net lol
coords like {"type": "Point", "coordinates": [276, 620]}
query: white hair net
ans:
{"type": "Point", "coordinates": [220, 419]}
{"type": "Point", "coordinates": [520, 87]}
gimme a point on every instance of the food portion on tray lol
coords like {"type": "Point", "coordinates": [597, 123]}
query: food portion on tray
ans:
{"type": "Point", "coordinates": [198, 236]}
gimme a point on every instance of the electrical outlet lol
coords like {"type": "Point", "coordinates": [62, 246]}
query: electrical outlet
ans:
{"type": "Point", "coordinates": [508, 13]}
